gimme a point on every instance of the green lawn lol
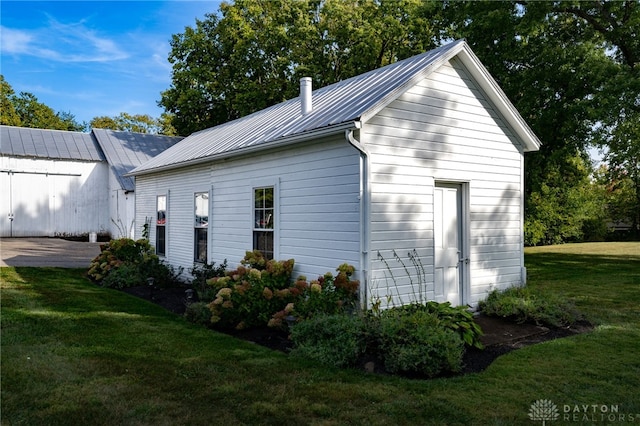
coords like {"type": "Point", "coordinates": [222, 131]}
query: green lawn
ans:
{"type": "Point", "coordinates": [77, 354]}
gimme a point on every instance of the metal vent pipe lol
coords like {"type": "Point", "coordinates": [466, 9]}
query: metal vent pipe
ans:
{"type": "Point", "coordinates": [306, 102]}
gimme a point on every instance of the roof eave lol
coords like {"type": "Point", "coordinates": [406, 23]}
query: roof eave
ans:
{"type": "Point", "coordinates": [278, 143]}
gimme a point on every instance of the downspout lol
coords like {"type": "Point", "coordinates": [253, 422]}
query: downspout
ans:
{"type": "Point", "coordinates": [365, 218]}
{"type": "Point", "coordinates": [523, 268]}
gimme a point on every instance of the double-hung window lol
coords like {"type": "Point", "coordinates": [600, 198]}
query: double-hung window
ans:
{"type": "Point", "coordinates": [201, 224]}
{"type": "Point", "coordinates": [263, 214]}
{"type": "Point", "coordinates": [161, 224]}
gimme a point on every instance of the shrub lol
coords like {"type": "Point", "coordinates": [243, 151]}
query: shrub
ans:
{"type": "Point", "coordinates": [134, 262]}
{"type": "Point", "coordinates": [198, 313]}
{"type": "Point", "coordinates": [522, 305]}
{"type": "Point", "coordinates": [418, 343]}
{"type": "Point", "coordinates": [164, 275]}
{"type": "Point", "coordinates": [458, 319]}
{"type": "Point", "coordinates": [203, 272]}
{"type": "Point", "coordinates": [337, 340]}
{"type": "Point", "coordinates": [408, 341]}
{"type": "Point", "coordinates": [125, 275]}
{"type": "Point", "coordinates": [249, 297]}
{"type": "Point", "coordinates": [326, 295]}
{"type": "Point", "coordinates": [260, 293]}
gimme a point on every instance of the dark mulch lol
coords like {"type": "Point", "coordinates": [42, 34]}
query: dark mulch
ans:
{"type": "Point", "coordinates": [500, 335]}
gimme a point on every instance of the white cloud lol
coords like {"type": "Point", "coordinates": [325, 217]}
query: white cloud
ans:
{"type": "Point", "coordinates": [14, 41]}
{"type": "Point", "coordinates": [62, 43]}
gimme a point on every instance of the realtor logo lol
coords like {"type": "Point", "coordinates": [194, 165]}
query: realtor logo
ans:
{"type": "Point", "coordinates": [543, 410]}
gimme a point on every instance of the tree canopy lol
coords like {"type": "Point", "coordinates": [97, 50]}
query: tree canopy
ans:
{"type": "Point", "coordinates": [138, 123]}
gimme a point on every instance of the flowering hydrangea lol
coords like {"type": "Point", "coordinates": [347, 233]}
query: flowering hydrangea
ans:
{"type": "Point", "coordinates": [255, 274]}
{"type": "Point", "coordinates": [267, 293]}
{"type": "Point", "coordinates": [224, 293]}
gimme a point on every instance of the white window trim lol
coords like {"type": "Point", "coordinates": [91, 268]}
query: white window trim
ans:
{"type": "Point", "coordinates": [267, 183]}
{"type": "Point", "coordinates": [166, 225]}
{"type": "Point", "coordinates": [207, 227]}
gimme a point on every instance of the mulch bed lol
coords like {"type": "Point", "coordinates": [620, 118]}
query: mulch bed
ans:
{"type": "Point", "coordinates": [501, 336]}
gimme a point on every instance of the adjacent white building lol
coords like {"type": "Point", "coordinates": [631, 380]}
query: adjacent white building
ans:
{"type": "Point", "coordinates": [412, 173]}
{"type": "Point", "coordinates": [70, 184]}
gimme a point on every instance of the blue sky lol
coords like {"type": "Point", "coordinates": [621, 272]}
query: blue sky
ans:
{"type": "Point", "coordinates": [93, 58]}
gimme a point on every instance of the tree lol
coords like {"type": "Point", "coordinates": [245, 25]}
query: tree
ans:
{"type": "Point", "coordinates": [8, 114]}
{"type": "Point", "coordinates": [623, 171]}
{"type": "Point", "coordinates": [138, 123]}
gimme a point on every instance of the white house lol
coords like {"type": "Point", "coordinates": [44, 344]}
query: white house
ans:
{"type": "Point", "coordinates": [70, 184]}
{"type": "Point", "coordinates": [412, 173]}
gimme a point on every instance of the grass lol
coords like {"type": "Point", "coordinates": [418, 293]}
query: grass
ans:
{"type": "Point", "coordinates": [77, 354]}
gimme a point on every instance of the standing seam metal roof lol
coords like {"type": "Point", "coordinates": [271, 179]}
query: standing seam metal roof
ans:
{"type": "Point", "coordinates": [126, 150]}
{"type": "Point", "coordinates": [123, 151]}
{"type": "Point", "coordinates": [339, 103]}
{"type": "Point", "coordinates": [53, 144]}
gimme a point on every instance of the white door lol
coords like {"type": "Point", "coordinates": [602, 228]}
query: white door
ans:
{"type": "Point", "coordinates": [448, 243]}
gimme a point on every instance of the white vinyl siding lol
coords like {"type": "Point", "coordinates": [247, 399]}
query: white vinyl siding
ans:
{"type": "Point", "coordinates": [179, 186]}
{"type": "Point", "coordinates": [443, 129]}
{"type": "Point", "coordinates": [318, 206]}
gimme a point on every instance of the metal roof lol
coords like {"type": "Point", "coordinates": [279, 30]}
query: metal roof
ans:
{"type": "Point", "coordinates": [53, 144]}
{"type": "Point", "coordinates": [123, 151]}
{"type": "Point", "coordinates": [127, 150]}
{"type": "Point", "coordinates": [335, 107]}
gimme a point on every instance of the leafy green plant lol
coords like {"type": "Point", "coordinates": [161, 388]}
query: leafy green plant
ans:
{"type": "Point", "coordinates": [522, 305]}
{"type": "Point", "coordinates": [125, 275]}
{"type": "Point", "coordinates": [132, 262]}
{"type": "Point", "coordinates": [198, 313]}
{"type": "Point", "coordinates": [407, 342]}
{"type": "Point", "coordinates": [337, 340]}
{"type": "Point", "coordinates": [201, 272]}
{"type": "Point", "coordinates": [456, 318]}
{"type": "Point", "coordinates": [164, 275]}
{"type": "Point", "coordinates": [418, 343]}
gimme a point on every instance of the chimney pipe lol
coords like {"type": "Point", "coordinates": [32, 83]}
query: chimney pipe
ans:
{"type": "Point", "coordinates": [306, 102]}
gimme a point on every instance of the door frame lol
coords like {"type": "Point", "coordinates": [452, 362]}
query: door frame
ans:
{"type": "Point", "coordinates": [465, 235]}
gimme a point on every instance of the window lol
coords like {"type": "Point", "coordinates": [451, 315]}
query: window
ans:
{"type": "Point", "coordinates": [200, 227]}
{"type": "Point", "coordinates": [263, 213]}
{"type": "Point", "coordinates": [161, 223]}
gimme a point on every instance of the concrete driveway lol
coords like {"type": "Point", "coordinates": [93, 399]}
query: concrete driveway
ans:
{"type": "Point", "coordinates": [47, 252]}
